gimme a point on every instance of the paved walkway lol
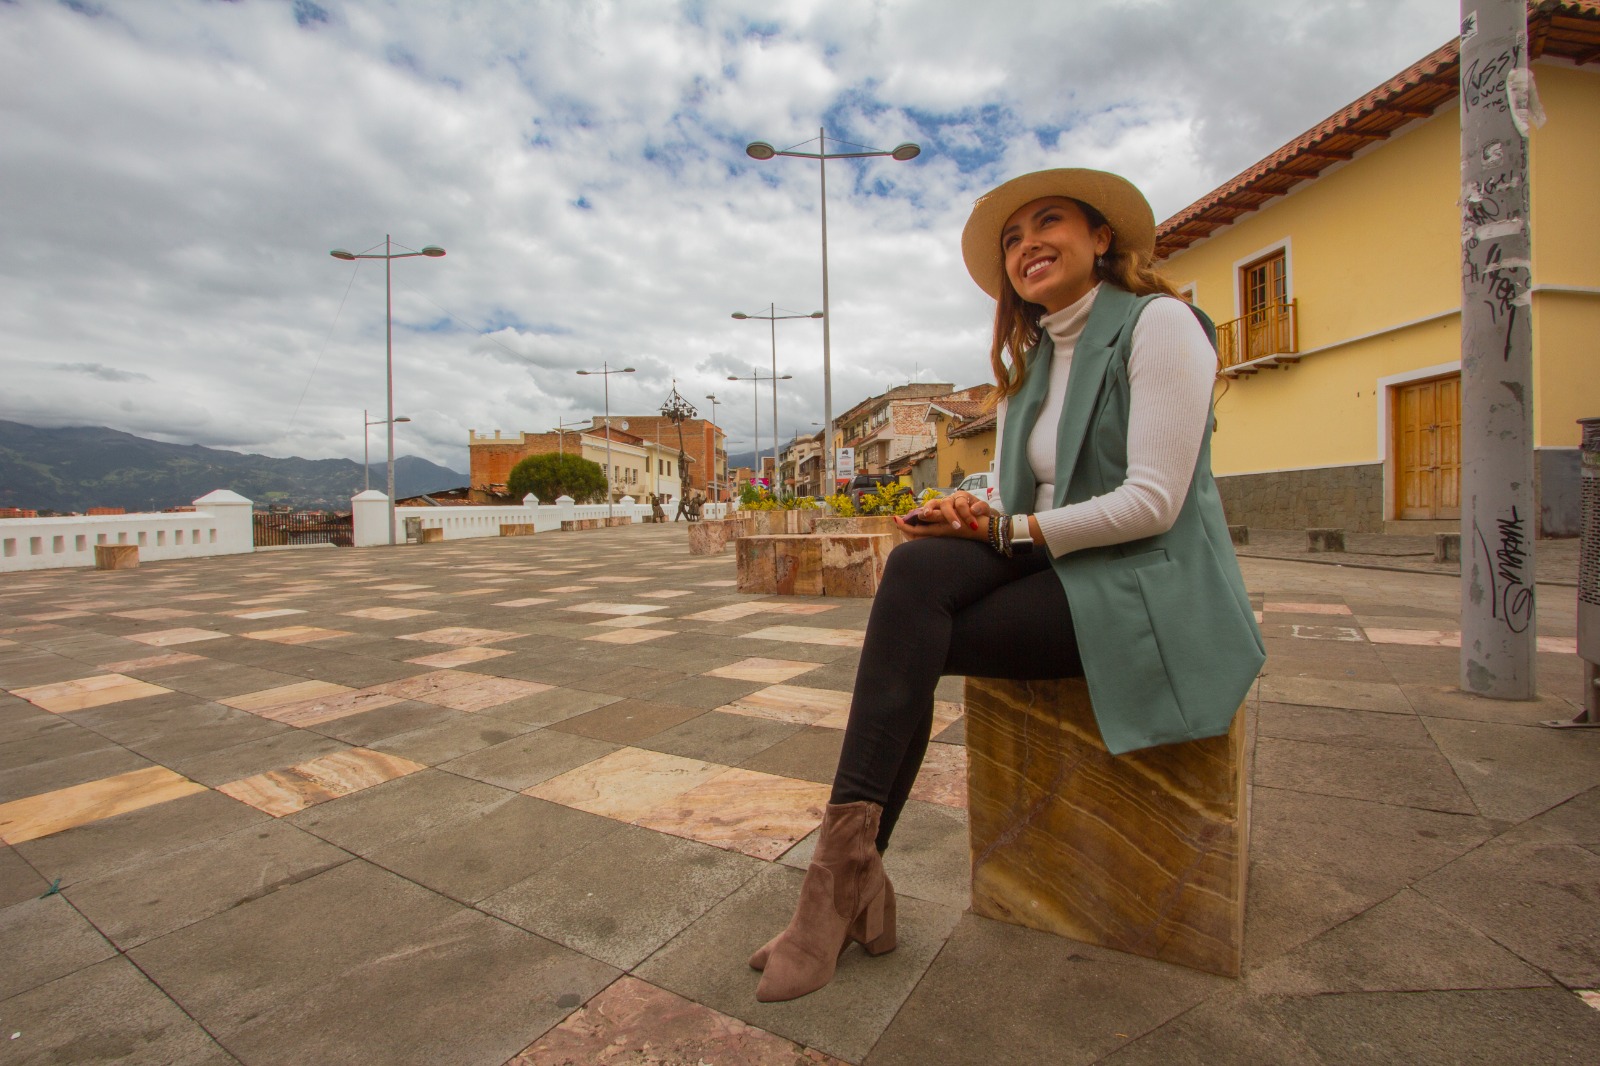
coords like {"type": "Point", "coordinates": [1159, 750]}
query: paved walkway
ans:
{"type": "Point", "coordinates": [536, 800]}
{"type": "Point", "coordinates": [1555, 561]}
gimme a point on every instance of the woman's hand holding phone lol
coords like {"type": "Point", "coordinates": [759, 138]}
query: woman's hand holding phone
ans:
{"type": "Point", "coordinates": [958, 515]}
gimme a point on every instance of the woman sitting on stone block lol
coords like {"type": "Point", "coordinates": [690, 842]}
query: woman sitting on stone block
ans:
{"type": "Point", "coordinates": [1111, 560]}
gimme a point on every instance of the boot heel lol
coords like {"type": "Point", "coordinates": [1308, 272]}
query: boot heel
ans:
{"type": "Point", "coordinates": [873, 928]}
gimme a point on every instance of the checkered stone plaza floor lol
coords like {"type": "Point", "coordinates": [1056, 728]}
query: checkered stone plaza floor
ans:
{"type": "Point", "coordinates": [535, 800]}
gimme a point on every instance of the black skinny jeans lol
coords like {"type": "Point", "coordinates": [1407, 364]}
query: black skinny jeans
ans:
{"type": "Point", "coordinates": [944, 606]}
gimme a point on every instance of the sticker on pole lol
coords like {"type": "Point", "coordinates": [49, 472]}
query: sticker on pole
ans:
{"type": "Point", "coordinates": [845, 463]}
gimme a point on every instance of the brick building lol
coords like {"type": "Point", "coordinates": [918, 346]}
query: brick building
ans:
{"type": "Point", "coordinates": [645, 455]}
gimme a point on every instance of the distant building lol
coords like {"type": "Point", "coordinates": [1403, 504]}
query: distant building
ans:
{"type": "Point", "coordinates": [17, 512]}
{"type": "Point", "coordinates": [639, 465]}
{"type": "Point", "coordinates": [109, 510]}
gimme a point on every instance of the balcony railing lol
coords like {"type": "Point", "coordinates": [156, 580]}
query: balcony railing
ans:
{"type": "Point", "coordinates": [1272, 330]}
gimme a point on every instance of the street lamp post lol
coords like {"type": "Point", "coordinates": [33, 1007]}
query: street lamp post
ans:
{"type": "Point", "coordinates": [717, 480]}
{"type": "Point", "coordinates": [756, 379]}
{"type": "Point", "coordinates": [366, 452]}
{"type": "Point", "coordinates": [389, 255]}
{"type": "Point", "coordinates": [761, 150]}
{"type": "Point", "coordinates": [605, 371]}
{"type": "Point", "coordinates": [561, 434]}
{"type": "Point", "coordinates": [772, 318]}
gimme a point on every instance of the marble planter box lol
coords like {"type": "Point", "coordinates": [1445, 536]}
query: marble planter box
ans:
{"type": "Point", "coordinates": [116, 556]}
{"type": "Point", "coordinates": [432, 535]}
{"type": "Point", "coordinates": [712, 536]}
{"type": "Point", "coordinates": [871, 524]}
{"type": "Point", "coordinates": [618, 520]}
{"type": "Point", "coordinates": [573, 524]}
{"type": "Point", "coordinates": [777, 523]}
{"type": "Point", "coordinates": [519, 529]}
{"type": "Point", "coordinates": [1144, 852]}
{"type": "Point", "coordinates": [812, 564]}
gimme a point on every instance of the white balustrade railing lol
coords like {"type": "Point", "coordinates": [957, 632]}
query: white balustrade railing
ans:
{"type": "Point", "coordinates": [220, 525]}
{"type": "Point", "coordinates": [370, 516]}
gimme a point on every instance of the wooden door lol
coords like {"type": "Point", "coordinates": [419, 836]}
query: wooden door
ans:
{"type": "Point", "coordinates": [1427, 448]}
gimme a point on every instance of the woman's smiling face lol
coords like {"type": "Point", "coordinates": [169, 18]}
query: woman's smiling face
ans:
{"type": "Point", "coordinates": [1049, 251]}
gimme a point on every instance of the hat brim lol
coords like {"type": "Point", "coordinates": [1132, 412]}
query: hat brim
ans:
{"type": "Point", "coordinates": [1123, 205]}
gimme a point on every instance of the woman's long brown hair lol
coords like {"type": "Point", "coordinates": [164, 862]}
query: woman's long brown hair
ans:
{"type": "Point", "coordinates": [1016, 321]}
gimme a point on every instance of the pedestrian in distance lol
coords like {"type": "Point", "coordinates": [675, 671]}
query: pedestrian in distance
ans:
{"type": "Point", "coordinates": [1108, 557]}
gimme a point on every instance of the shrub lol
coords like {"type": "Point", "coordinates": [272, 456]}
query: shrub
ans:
{"type": "Point", "coordinates": [839, 503]}
{"type": "Point", "coordinates": [552, 474]}
{"type": "Point", "coordinates": [888, 499]}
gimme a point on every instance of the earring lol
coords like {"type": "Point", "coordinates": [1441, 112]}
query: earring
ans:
{"type": "Point", "coordinates": [1100, 263]}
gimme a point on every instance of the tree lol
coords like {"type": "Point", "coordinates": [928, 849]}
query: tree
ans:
{"type": "Point", "coordinates": [551, 474]}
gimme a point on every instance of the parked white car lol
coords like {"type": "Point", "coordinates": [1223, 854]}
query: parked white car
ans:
{"type": "Point", "coordinates": [984, 485]}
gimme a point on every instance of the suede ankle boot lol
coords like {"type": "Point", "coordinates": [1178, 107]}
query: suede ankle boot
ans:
{"type": "Point", "coordinates": [845, 896]}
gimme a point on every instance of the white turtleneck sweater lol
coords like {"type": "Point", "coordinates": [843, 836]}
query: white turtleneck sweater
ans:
{"type": "Point", "coordinates": [1170, 374]}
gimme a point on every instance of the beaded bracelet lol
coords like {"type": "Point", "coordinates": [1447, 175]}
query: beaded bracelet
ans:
{"type": "Point", "coordinates": [1000, 535]}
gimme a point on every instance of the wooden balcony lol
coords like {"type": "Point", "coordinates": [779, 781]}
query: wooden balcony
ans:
{"type": "Point", "coordinates": [1268, 337]}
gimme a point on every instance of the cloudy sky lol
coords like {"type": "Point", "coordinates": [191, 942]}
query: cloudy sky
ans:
{"type": "Point", "coordinates": [176, 171]}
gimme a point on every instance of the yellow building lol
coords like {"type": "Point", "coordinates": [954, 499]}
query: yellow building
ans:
{"type": "Point", "coordinates": [1333, 270]}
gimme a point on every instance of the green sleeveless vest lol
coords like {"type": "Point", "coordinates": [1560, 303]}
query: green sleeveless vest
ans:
{"type": "Point", "coordinates": [1169, 640]}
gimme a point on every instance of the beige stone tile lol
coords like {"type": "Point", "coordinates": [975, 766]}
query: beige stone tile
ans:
{"type": "Point", "coordinates": [731, 612]}
{"type": "Point", "coordinates": [615, 580]}
{"type": "Point", "coordinates": [757, 814]}
{"type": "Point", "coordinates": [630, 636]}
{"type": "Point", "coordinates": [628, 621]}
{"type": "Point", "coordinates": [781, 607]}
{"type": "Point", "coordinates": [386, 614]}
{"type": "Point", "coordinates": [943, 777]}
{"type": "Point", "coordinates": [1348, 634]}
{"type": "Point", "coordinates": [1305, 608]}
{"type": "Point", "coordinates": [834, 638]}
{"type": "Point", "coordinates": [486, 692]}
{"type": "Point", "coordinates": [627, 783]}
{"type": "Point", "coordinates": [571, 588]}
{"type": "Point", "coordinates": [477, 592]}
{"type": "Point", "coordinates": [268, 698]}
{"type": "Point", "coordinates": [526, 601]}
{"type": "Point", "coordinates": [281, 792]}
{"type": "Point", "coordinates": [614, 608]}
{"type": "Point", "coordinates": [271, 612]}
{"type": "Point", "coordinates": [155, 614]}
{"type": "Point", "coordinates": [1340, 692]}
{"type": "Point", "coordinates": [461, 636]}
{"type": "Point", "coordinates": [327, 708]}
{"type": "Point", "coordinates": [53, 812]}
{"type": "Point", "coordinates": [459, 657]}
{"type": "Point", "coordinates": [86, 692]}
{"type": "Point", "coordinates": [57, 616]}
{"type": "Point", "coordinates": [278, 792]}
{"type": "Point", "coordinates": [163, 638]}
{"type": "Point", "coordinates": [791, 703]}
{"type": "Point", "coordinates": [398, 587]}
{"type": "Point", "coordinates": [296, 634]}
{"type": "Point", "coordinates": [664, 594]}
{"type": "Point", "coordinates": [714, 584]}
{"type": "Point", "coordinates": [767, 671]}
{"type": "Point", "coordinates": [425, 687]}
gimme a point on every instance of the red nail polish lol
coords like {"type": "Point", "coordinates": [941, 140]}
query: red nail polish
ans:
{"type": "Point", "coordinates": [974, 525]}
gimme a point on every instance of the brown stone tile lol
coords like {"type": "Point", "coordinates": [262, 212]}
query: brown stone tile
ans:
{"type": "Point", "coordinates": [742, 810]}
{"type": "Point", "coordinates": [86, 692]}
{"type": "Point", "coordinates": [627, 721]}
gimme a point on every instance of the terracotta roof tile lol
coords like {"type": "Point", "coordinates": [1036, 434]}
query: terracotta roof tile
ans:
{"type": "Point", "coordinates": [1570, 30]}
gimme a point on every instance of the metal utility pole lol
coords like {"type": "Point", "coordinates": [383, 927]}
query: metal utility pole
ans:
{"type": "Point", "coordinates": [1498, 516]}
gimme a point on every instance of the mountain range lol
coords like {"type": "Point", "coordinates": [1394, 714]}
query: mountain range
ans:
{"type": "Point", "coordinates": [74, 468]}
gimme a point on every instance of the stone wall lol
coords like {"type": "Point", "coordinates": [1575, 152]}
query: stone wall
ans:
{"type": "Point", "coordinates": [1350, 497]}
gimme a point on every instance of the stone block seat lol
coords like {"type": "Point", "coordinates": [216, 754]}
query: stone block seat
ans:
{"type": "Point", "coordinates": [1144, 852]}
{"type": "Point", "coordinates": [812, 564]}
{"type": "Point", "coordinates": [116, 556]}
{"type": "Point", "coordinates": [517, 529]}
{"type": "Point", "coordinates": [431, 535]}
{"type": "Point", "coordinates": [712, 536]}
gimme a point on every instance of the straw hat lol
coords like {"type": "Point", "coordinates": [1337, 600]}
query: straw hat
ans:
{"type": "Point", "coordinates": [1133, 224]}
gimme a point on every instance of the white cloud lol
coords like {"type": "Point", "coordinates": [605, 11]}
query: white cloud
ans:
{"type": "Point", "coordinates": [177, 171]}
